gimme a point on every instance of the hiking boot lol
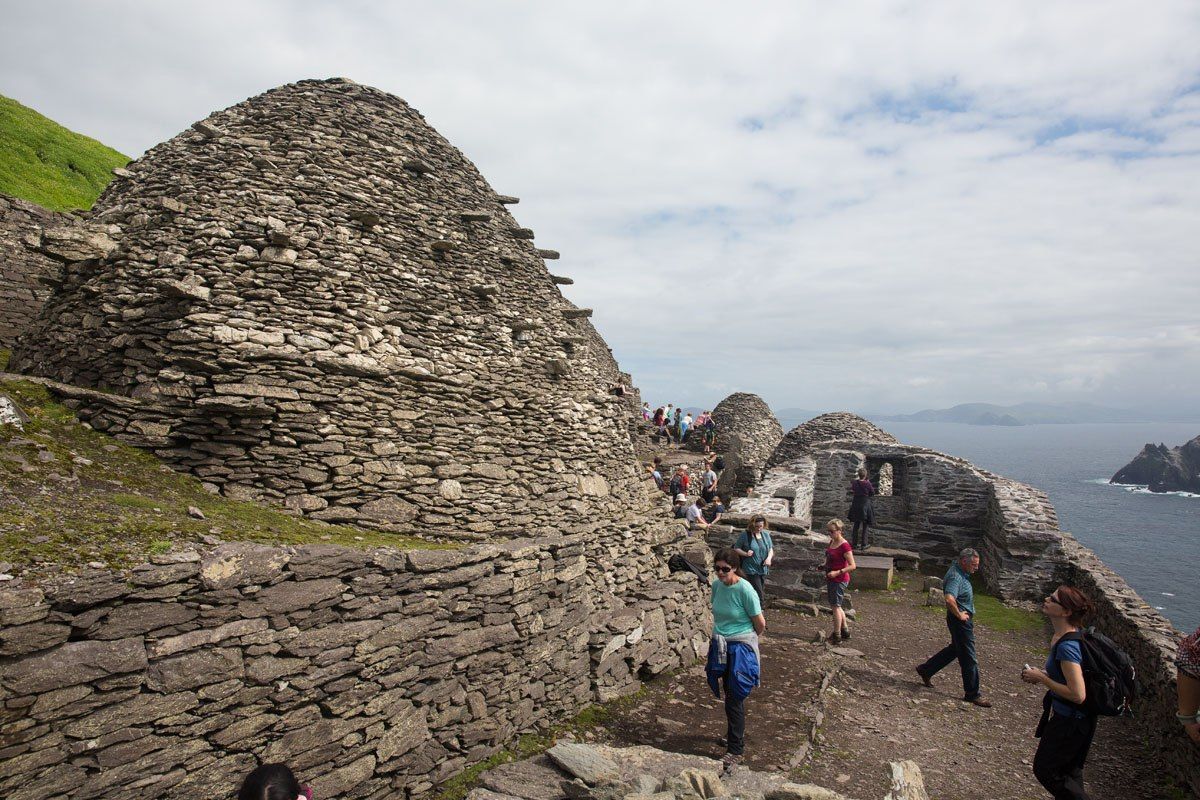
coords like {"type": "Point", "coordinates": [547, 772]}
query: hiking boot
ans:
{"type": "Point", "coordinates": [846, 634]}
{"type": "Point", "coordinates": [722, 741]}
{"type": "Point", "coordinates": [835, 639]}
{"type": "Point", "coordinates": [729, 761]}
{"type": "Point", "coordinates": [978, 701]}
{"type": "Point", "coordinates": [924, 678]}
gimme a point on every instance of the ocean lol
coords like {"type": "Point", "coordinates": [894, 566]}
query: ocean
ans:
{"type": "Point", "coordinates": [1151, 540]}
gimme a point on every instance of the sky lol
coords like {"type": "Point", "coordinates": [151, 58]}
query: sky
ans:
{"type": "Point", "coordinates": [879, 206]}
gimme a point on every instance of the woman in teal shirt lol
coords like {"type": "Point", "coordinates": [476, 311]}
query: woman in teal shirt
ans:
{"type": "Point", "coordinates": [733, 658]}
{"type": "Point", "coordinates": [756, 551]}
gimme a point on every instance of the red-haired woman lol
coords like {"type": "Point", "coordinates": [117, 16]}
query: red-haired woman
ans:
{"type": "Point", "coordinates": [1066, 729]}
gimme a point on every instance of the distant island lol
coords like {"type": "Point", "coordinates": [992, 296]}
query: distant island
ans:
{"type": "Point", "coordinates": [1021, 414]}
{"type": "Point", "coordinates": [1163, 469]}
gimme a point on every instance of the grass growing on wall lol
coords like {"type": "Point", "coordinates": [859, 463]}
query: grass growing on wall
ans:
{"type": "Point", "coordinates": [70, 495]}
{"type": "Point", "coordinates": [45, 163]}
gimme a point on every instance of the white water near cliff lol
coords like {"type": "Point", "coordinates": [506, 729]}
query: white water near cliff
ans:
{"type": "Point", "coordinates": [1152, 540]}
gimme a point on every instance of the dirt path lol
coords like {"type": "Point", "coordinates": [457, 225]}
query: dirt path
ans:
{"type": "Point", "coordinates": [876, 711]}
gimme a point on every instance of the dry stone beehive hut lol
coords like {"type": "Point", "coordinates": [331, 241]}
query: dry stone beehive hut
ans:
{"type": "Point", "coordinates": [25, 274]}
{"type": "Point", "coordinates": [316, 300]}
{"type": "Point", "coordinates": [747, 433]}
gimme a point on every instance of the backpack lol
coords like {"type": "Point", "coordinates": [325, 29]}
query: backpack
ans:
{"type": "Point", "coordinates": [718, 463]}
{"type": "Point", "coordinates": [676, 486]}
{"type": "Point", "coordinates": [1108, 673]}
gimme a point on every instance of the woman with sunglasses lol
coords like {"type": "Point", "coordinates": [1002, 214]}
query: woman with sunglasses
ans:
{"type": "Point", "coordinates": [733, 657]}
{"type": "Point", "coordinates": [1066, 729]}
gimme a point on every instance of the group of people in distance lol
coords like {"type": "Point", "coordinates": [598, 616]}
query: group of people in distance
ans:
{"type": "Point", "coordinates": [675, 425]}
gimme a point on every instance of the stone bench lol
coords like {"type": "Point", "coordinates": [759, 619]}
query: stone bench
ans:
{"type": "Point", "coordinates": [905, 559]}
{"type": "Point", "coordinates": [873, 572]}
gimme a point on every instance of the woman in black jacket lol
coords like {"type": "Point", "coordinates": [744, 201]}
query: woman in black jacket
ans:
{"type": "Point", "coordinates": [862, 509]}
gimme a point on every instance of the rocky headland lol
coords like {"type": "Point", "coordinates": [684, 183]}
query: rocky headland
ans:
{"type": "Point", "coordinates": [1164, 469]}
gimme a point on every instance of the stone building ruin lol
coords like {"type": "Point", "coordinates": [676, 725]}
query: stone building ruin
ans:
{"type": "Point", "coordinates": [747, 432]}
{"type": "Point", "coordinates": [315, 300]}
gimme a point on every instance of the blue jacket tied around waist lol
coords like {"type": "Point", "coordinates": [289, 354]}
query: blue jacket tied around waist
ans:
{"type": "Point", "coordinates": [737, 658]}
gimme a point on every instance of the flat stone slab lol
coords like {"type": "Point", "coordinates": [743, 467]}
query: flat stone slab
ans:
{"type": "Point", "coordinates": [536, 778]}
{"type": "Point", "coordinates": [873, 572]}
{"type": "Point", "coordinates": [905, 559]}
{"type": "Point", "coordinates": [584, 761]}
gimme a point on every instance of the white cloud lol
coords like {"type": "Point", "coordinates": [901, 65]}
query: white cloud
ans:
{"type": "Point", "coordinates": [866, 205]}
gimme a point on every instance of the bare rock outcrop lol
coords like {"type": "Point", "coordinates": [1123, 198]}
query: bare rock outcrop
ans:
{"type": "Point", "coordinates": [1164, 469]}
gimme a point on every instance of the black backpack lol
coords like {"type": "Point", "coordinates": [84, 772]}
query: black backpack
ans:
{"type": "Point", "coordinates": [1108, 673]}
{"type": "Point", "coordinates": [718, 464]}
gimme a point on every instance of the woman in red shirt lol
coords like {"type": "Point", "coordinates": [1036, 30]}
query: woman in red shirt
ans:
{"type": "Point", "coordinates": [839, 563]}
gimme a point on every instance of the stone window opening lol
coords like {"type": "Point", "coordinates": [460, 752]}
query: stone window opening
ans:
{"type": "Point", "coordinates": [886, 474]}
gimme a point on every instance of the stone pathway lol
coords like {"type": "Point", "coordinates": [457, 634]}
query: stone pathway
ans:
{"type": "Point", "coordinates": [875, 711]}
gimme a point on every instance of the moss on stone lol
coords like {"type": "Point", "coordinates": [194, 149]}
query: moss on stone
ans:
{"type": "Point", "coordinates": [72, 495]}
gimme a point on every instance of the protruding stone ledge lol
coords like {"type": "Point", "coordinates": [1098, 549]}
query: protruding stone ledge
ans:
{"type": "Point", "coordinates": [549, 255]}
{"type": "Point", "coordinates": [562, 280]}
{"type": "Point", "coordinates": [507, 199]}
{"type": "Point", "coordinates": [418, 166]}
{"type": "Point", "coordinates": [576, 313]}
{"type": "Point", "coordinates": [444, 245]}
{"type": "Point", "coordinates": [521, 233]}
{"type": "Point", "coordinates": [475, 216]}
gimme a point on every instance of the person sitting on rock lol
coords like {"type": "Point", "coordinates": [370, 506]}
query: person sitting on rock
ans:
{"type": "Point", "coordinates": [679, 506]}
{"type": "Point", "coordinates": [273, 782]}
{"type": "Point", "coordinates": [714, 510]}
{"type": "Point", "coordinates": [694, 514]}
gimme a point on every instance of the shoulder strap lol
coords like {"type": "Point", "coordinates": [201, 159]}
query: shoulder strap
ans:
{"type": "Point", "coordinates": [1073, 636]}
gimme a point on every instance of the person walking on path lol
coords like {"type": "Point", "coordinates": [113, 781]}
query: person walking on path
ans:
{"type": "Point", "coordinates": [684, 427]}
{"type": "Point", "coordinates": [756, 550]}
{"type": "Point", "coordinates": [733, 655]}
{"type": "Point", "coordinates": [1187, 663]}
{"type": "Point", "coordinates": [960, 616]}
{"type": "Point", "coordinates": [677, 426]}
{"type": "Point", "coordinates": [839, 563]}
{"type": "Point", "coordinates": [646, 412]}
{"type": "Point", "coordinates": [710, 433]}
{"type": "Point", "coordinates": [862, 509]}
{"type": "Point", "coordinates": [1065, 729]}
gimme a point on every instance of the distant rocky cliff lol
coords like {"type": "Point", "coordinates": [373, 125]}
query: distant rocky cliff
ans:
{"type": "Point", "coordinates": [1164, 469]}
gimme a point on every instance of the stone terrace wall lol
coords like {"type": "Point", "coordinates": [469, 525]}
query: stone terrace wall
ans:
{"type": "Point", "coordinates": [375, 674]}
{"type": "Point", "coordinates": [1152, 643]}
{"type": "Point", "coordinates": [23, 271]}
{"type": "Point", "coordinates": [321, 303]}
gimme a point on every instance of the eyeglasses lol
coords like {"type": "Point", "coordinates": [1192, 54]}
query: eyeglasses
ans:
{"type": "Point", "coordinates": [1054, 600]}
{"type": "Point", "coordinates": [724, 570]}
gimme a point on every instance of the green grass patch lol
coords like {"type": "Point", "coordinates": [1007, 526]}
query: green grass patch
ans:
{"type": "Point", "coordinates": [5, 357]}
{"type": "Point", "coordinates": [74, 496]}
{"type": "Point", "coordinates": [45, 163]}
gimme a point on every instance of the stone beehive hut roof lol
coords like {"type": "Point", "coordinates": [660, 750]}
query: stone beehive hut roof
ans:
{"type": "Point", "coordinates": [837, 426]}
{"type": "Point", "coordinates": [326, 305]}
{"type": "Point", "coordinates": [745, 420]}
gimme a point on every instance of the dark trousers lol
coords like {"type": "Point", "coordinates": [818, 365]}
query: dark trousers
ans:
{"type": "Point", "coordinates": [759, 584]}
{"type": "Point", "coordinates": [735, 716]}
{"type": "Point", "coordinates": [961, 647]}
{"type": "Point", "coordinates": [863, 542]}
{"type": "Point", "coordinates": [1058, 764]}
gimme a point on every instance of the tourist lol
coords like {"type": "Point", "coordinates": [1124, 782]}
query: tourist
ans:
{"type": "Point", "coordinates": [677, 426]}
{"type": "Point", "coordinates": [862, 509]}
{"type": "Point", "coordinates": [1187, 663]}
{"type": "Point", "coordinates": [757, 552]}
{"type": "Point", "coordinates": [684, 427]}
{"type": "Point", "coordinates": [839, 563]}
{"type": "Point", "coordinates": [713, 510]}
{"type": "Point", "coordinates": [960, 613]}
{"type": "Point", "coordinates": [733, 657]}
{"type": "Point", "coordinates": [679, 482]}
{"type": "Point", "coordinates": [678, 506]}
{"type": "Point", "coordinates": [273, 782]}
{"type": "Point", "coordinates": [646, 412]}
{"type": "Point", "coordinates": [708, 483]}
{"type": "Point", "coordinates": [617, 388]}
{"type": "Point", "coordinates": [709, 427]}
{"type": "Point", "coordinates": [1066, 729]}
{"type": "Point", "coordinates": [694, 514]}
{"type": "Point", "coordinates": [656, 474]}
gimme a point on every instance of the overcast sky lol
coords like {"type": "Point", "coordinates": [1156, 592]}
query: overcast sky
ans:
{"type": "Point", "coordinates": [870, 206]}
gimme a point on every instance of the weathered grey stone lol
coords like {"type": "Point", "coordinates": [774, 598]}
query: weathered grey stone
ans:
{"type": "Point", "coordinates": [239, 563]}
{"type": "Point", "coordinates": [194, 669]}
{"type": "Point", "coordinates": [20, 639]}
{"type": "Point", "coordinates": [73, 663]}
{"type": "Point", "coordinates": [292, 595]}
{"type": "Point", "coordinates": [907, 782]}
{"type": "Point", "coordinates": [136, 710]}
{"type": "Point", "coordinates": [584, 761]}
{"type": "Point", "coordinates": [407, 729]}
{"type": "Point", "coordinates": [803, 791]}
{"type": "Point", "coordinates": [135, 619]}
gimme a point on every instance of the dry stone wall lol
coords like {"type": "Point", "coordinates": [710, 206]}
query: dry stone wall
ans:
{"type": "Point", "coordinates": [383, 672]}
{"type": "Point", "coordinates": [317, 301]}
{"type": "Point", "coordinates": [25, 274]}
{"type": "Point", "coordinates": [747, 432]}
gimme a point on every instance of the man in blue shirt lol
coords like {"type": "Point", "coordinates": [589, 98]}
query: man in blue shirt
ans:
{"type": "Point", "coordinates": [960, 616]}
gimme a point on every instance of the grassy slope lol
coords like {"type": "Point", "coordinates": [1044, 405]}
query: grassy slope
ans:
{"type": "Point", "coordinates": [70, 495]}
{"type": "Point", "coordinates": [43, 162]}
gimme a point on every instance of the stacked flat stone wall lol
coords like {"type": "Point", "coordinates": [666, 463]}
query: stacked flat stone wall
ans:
{"type": "Point", "coordinates": [747, 433]}
{"type": "Point", "coordinates": [1152, 643]}
{"type": "Point", "coordinates": [376, 674]}
{"type": "Point", "coordinates": [25, 274]}
{"type": "Point", "coordinates": [319, 302]}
